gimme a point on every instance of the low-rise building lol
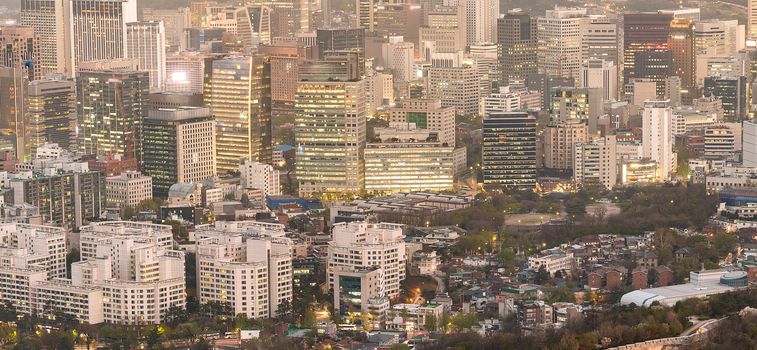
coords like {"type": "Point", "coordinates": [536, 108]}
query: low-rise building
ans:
{"type": "Point", "coordinates": [127, 189]}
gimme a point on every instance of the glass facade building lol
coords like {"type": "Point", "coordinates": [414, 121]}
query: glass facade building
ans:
{"type": "Point", "coordinates": [509, 150]}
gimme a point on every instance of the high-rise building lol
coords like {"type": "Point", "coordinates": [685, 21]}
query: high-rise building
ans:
{"type": "Point", "coordinates": [751, 20]}
{"type": "Point", "coordinates": [239, 92]}
{"type": "Point", "coordinates": [13, 85]}
{"type": "Point", "coordinates": [657, 137]}
{"type": "Point", "coordinates": [600, 74]}
{"type": "Point", "coordinates": [127, 189]}
{"type": "Point", "coordinates": [509, 150]}
{"type": "Point", "coordinates": [186, 72]}
{"type": "Point", "coordinates": [50, 19]}
{"type": "Point", "coordinates": [175, 22]}
{"type": "Point", "coordinates": [246, 264]}
{"type": "Point", "coordinates": [51, 113]}
{"type": "Point", "coordinates": [654, 63]}
{"type": "Point", "coordinates": [359, 244]}
{"type": "Point", "coordinates": [444, 31]}
{"type": "Point", "coordinates": [349, 39]}
{"type": "Point", "coordinates": [253, 24]}
{"type": "Point", "coordinates": [683, 63]}
{"type": "Point", "coordinates": [146, 43]}
{"type": "Point", "coordinates": [688, 13]}
{"type": "Point", "coordinates": [426, 114]}
{"type": "Point", "coordinates": [599, 39]}
{"type": "Point", "coordinates": [259, 176]}
{"type": "Point", "coordinates": [732, 91]}
{"type": "Point", "coordinates": [595, 163]}
{"type": "Point", "coordinates": [560, 140]}
{"type": "Point", "coordinates": [559, 49]}
{"type": "Point", "coordinates": [179, 147]}
{"type": "Point", "coordinates": [20, 48]}
{"type": "Point", "coordinates": [517, 43]}
{"type": "Point", "coordinates": [456, 87]}
{"type": "Point", "coordinates": [398, 56]}
{"type": "Point", "coordinates": [481, 21]}
{"type": "Point", "coordinates": [642, 31]}
{"type": "Point", "coordinates": [749, 143]}
{"type": "Point", "coordinates": [98, 30]}
{"type": "Point", "coordinates": [570, 104]}
{"type": "Point", "coordinates": [330, 127]}
{"type": "Point", "coordinates": [111, 107]}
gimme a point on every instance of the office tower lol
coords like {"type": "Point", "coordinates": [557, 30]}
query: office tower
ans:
{"type": "Point", "coordinates": [349, 40]}
{"type": "Point", "coordinates": [365, 12]}
{"type": "Point", "coordinates": [259, 176]}
{"type": "Point", "coordinates": [484, 57]}
{"type": "Point", "coordinates": [398, 19]}
{"type": "Point", "coordinates": [179, 147]}
{"type": "Point", "coordinates": [301, 13]}
{"type": "Point", "coordinates": [732, 91]}
{"type": "Point", "coordinates": [481, 21]}
{"type": "Point", "coordinates": [751, 20]}
{"type": "Point", "coordinates": [246, 264]}
{"type": "Point", "coordinates": [141, 277]}
{"type": "Point", "coordinates": [681, 44]}
{"type": "Point", "coordinates": [98, 30]}
{"type": "Point", "coordinates": [175, 22]}
{"type": "Point", "coordinates": [405, 158]}
{"type": "Point", "coordinates": [51, 113]}
{"type": "Point", "coordinates": [50, 21]}
{"type": "Point", "coordinates": [722, 141]}
{"type": "Point", "coordinates": [285, 65]}
{"type": "Point", "coordinates": [517, 43]}
{"type": "Point", "coordinates": [111, 107]}
{"type": "Point", "coordinates": [657, 137]}
{"type": "Point", "coordinates": [186, 72]}
{"type": "Point", "coordinates": [382, 244]}
{"type": "Point", "coordinates": [239, 94]}
{"type": "Point", "coordinates": [571, 104]}
{"type": "Point", "coordinates": [717, 38]}
{"type": "Point", "coordinates": [509, 99]}
{"type": "Point", "coordinates": [253, 25]}
{"type": "Point", "coordinates": [600, 74]}
{"type": "Point", "coordinates": [146, 43]}
{"type": "Point", "coordinates": [560, 140]}
{"type": "Point", "coordinates": [205, 39]}
{"type": "Point", "coordinates": [749, 143]}
{"type": "Point", "coordinates": [66, 198]}
{"type": "Point", "coordinates": [398, 56]}
{"type": "Point", "coordinates": [509, 150]}
{"type": "Point", "coordinates": [642, 31]}
{"type": "Point", "coordinates": [127, 189]}
{"type": "Point", "coordinates": [599, 39]}
{"type": "Point", "coordinates": [595, 163]}
{"type": "Point", "coordinates": [330, 131]}
{"type": "Point", "coordinates": [20, 48]}
{"type": "Point", "coordinates": [444, 31]}
{"type": "Point", "coordinates": [379, 91]}
{"type": "Point", "coordinates": [654, 64]}
{"type": "Point", "coordinates": [13, 85]}
{"type": "Point", "coordinates": [426, 114]}
{"type": "Point", "coordinates": [559, 48]}
{"type": "Point", "coordinates": [456, 87]}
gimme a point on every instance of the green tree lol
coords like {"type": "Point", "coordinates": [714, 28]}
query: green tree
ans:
{"type": "Point", "coordinates": [542, 275]}
{"type": "Point", "coordinates": [464, 321]}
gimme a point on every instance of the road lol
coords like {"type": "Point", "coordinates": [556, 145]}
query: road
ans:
{"type": "Point", "coordinates": [699, 325]}
{"type": "Point", "coordinates": [440, 287]}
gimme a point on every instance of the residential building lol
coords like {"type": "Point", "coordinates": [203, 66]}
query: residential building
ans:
{"type": "Point", "coordinates": [595, 163]}
{"type": "Point", "coordinates": [560, 140]}
{"type": "Point", "coordinates": [247, 264]}
{"type": "Point", "coordinates": [354, 287]}
{"type": "Point", "coordinates": [261, 176]}
{"type": "Point", "coordinates": [552, 262]}
{"type": "Point", "coordinates": [657, 137]}
{"type": "Point", "coordinates": [358, 245]}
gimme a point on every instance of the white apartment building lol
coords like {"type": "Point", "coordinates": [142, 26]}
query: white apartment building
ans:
{"type": "Point", "coordinates": [260, 176]}
{"type": "Point", "coordinates": [358, 245]}
{"type": "Point", "coordinates": [246, 264]}
{"type": "Point", "coordinates": [657, 137]}
{"type": "Point", "coordinates": [122, 279]}
{"type": "Point", "coordinates": [552, 262]}
{"type": "Point", "coordinates": [127, 189]}
{"type": "Point", "coordinates": [146, 42]}
{"type": "Point", "coordinates": [596, 162]}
